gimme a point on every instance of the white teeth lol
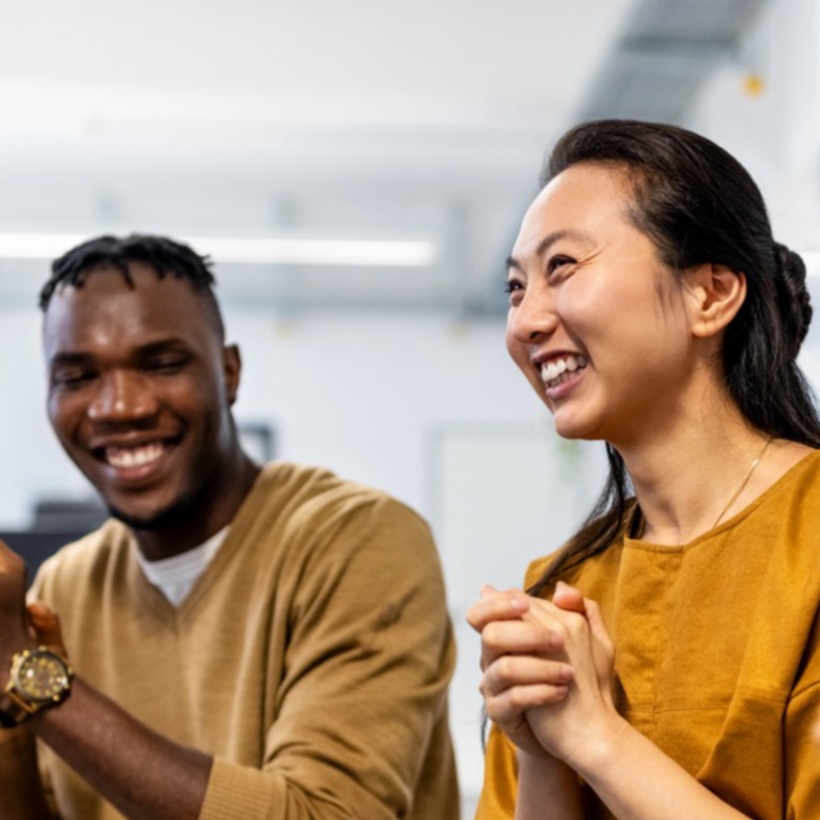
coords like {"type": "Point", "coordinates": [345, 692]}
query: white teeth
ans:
{"type": "Point", "coordinates": [549, 372]}
{"type": "Point", "coordinates": [130, 457]}
{"type": "Point", "coordinates": [559, 370]}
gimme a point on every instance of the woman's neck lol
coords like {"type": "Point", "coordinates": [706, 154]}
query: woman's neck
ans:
{"type": "Point", "coordinates": [699, 471]}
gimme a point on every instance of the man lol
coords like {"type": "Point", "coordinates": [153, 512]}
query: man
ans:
{"type": "Point", "coordinates": [248, 642]}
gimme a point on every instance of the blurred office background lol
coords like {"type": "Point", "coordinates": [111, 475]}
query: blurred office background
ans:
{"type": "Point", "coordinates": [357, 170]}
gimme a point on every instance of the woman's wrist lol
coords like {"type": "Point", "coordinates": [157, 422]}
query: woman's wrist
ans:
{"type": "Point", "coordinates": [595, 751]}
{"type": "Point", "coordinates": [537, 761]}
{"type": "Point", "coordinates": [544, 780]}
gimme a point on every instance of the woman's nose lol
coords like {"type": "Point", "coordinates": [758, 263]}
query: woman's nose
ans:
{"type": "Point", "coordinates": [534, 317]}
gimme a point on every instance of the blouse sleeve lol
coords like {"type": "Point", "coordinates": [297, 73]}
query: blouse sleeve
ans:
{"type": "Point", "coordinates": [497, 800]}
{"type": "Point", "coordinates": [802, 738]}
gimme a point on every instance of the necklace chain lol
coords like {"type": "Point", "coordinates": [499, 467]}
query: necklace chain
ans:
{"type": "Point", "coordinates": [743, 483]}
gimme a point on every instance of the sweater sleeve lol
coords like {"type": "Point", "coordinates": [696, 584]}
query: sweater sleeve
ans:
{"type": "Point", "coordinates": [360, 728]}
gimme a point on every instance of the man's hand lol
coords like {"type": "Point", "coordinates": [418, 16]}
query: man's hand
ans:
{"type": "Point", "coordinates": [45, 628]}
{"type": "Point", "coordinates": [14, 621]}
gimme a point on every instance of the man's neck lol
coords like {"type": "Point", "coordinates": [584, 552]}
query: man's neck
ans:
{"type": "Point", "coordinates": [205, 516]}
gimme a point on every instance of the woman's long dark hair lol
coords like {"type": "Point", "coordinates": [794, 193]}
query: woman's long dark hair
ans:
{"type": "Point", "coordinates": [699, 205]}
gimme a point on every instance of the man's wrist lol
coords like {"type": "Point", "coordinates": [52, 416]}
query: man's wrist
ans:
{"type": "Point", "coordinates": [8, 651]}
{"type": "Point", "coordinates": [36, 678]}
{"type": "Point", "coordinates": [7, 719]}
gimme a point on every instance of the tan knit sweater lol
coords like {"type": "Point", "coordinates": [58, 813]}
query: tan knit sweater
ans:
{"type": "Point", "coordinates": [311, 659]}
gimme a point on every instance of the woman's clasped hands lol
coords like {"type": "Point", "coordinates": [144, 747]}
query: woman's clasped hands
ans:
{"type": "Point", "coordinates": [547, 671]}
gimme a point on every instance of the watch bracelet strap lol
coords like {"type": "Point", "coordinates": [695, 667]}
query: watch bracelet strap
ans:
{"type": "Point", "coordinates": [14, 710]}
{"type": "Point", "coordinates": [6, 721]}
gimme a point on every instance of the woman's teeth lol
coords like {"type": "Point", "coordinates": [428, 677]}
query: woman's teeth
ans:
{"type": "Point", "coordinates": [559, 370]}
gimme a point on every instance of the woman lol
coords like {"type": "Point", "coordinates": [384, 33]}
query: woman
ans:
{"type": "Point", "coordinates": [665, 662]}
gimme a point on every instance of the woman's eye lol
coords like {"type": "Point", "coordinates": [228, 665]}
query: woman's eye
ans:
{"type": "Point", "coordinates": [558, 262]}
{"type": "Point", "coordinates": [511, 286]}
{"type": "Point", "coordinates": [514, 290]}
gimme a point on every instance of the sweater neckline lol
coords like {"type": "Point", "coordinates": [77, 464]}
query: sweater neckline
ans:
{"type": "Point", "coordinates": [234, 538]}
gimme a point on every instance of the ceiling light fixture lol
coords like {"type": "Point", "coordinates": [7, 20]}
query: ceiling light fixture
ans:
{"type": "Point", "coordinates": [283, 251]}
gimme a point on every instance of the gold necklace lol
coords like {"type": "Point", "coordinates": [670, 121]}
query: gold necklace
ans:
{"type": "Point", "coordinates": [744, 482]}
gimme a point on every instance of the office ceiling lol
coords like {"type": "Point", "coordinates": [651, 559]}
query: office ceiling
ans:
{"type": "Point", "coordinates": [360, 120]}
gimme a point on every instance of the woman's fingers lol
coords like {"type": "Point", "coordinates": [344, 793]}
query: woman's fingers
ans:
{"type": "Point", "coordinates": [510, 707]}
{"type": "Point", "coordinates": [597, 626]}
{"type": "Point", "coordinates": [514, 684]}
{"type": "Point", "coordinates": [568, 598]}
{"type": "Point", "coordinates": [500, 638]}
{"type": "Point", "coordinates": [512, 671]}
{"type": "Point", "coordinates": [497, 606]}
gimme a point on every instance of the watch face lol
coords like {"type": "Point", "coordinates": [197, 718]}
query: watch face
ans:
{"type": "Point", "coordinates": [40, 676]}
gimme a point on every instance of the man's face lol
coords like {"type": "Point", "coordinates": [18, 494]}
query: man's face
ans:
{"type": "Point", "coordinates": [139, 394]}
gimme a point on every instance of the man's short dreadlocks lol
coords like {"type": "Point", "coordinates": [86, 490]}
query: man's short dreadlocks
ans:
{"type": "Point", "coordinates": [165, 256]}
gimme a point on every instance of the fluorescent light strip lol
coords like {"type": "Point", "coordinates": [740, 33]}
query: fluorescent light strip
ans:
{"type": "Point", "coordinates": [387, 253]}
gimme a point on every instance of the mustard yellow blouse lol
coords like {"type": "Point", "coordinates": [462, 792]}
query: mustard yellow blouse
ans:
{"type": "Point", "coordinates": [717, 653]}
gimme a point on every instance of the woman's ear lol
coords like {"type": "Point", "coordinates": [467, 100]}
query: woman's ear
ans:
{"type": "Point", "coordinates": [718, 294]}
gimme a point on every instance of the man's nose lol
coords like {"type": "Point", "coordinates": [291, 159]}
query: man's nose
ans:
{"type": "Point", "coordinates": [121, 396]}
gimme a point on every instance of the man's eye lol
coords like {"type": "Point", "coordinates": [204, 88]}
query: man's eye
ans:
{"type": "Point", "coordinates": [167, 364]}
{"type": "Point", "coordinates": [72, 379]}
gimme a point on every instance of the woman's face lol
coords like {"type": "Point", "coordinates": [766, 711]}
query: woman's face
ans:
{"type": "Point", "coordinates": [598, 326]}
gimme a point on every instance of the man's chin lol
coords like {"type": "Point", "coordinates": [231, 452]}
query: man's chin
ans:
{"type": "Point", "coordinates": [155, 520]}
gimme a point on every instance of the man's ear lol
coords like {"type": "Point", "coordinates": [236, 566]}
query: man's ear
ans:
{"type": "Point", "coordinates": [232, 362]}
{"type": "Point", "coordinates": [718, 294]}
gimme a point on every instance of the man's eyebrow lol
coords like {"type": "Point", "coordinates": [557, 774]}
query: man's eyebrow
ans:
{"type": "Point", "coordinates": [69, 359]}
{"type": "Point", "coordinates": [160, 346]}
{"type": "Point", "coordinates": [548, 241]}
{"type": "Point", "coordinates": [72, 357]}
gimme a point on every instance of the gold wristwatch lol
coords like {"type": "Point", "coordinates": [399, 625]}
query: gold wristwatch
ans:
{"type": "Point", "coordinates": [39, 678]}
